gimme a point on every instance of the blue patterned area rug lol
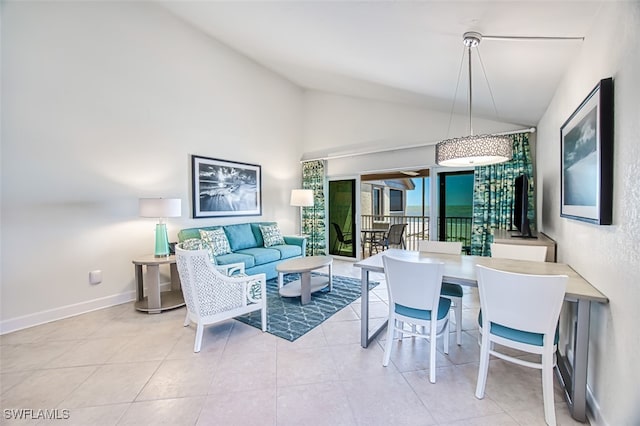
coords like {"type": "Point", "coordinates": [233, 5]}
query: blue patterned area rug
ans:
{"type": "Point", "coordinates": [288, 319]}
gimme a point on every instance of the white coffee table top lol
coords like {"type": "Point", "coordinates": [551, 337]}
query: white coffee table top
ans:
{"type": "Point", "coordinates": [303, 264]}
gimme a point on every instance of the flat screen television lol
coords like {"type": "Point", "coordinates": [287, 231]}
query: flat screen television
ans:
{"type": "Point", "coordinates": [521, 208]}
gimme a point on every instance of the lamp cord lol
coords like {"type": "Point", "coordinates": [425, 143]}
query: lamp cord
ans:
{"type": "Point", "coordinates": [470, 94]}
{"type": "Point", "coordinates": [484, 73]}
{"type": "Point", "coordinates": [455, 94]}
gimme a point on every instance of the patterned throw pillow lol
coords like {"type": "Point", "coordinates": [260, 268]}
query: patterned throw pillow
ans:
{"type": "Point", "coordinates": [198, 244]}
{"type": "Point", "coordinates": [271, 235]}
{"type": "Point", "coordinates": [217, 240]}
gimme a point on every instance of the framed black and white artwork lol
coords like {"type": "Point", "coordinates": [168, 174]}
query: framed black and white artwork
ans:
{"type": "Point", "coordinates": [587, 158]}
{"type": "Point", "coordinates": [225, 188]}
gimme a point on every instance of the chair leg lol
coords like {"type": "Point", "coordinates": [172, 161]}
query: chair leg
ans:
{"type": "Point", "coordinates": [483, 368]}
{"type": "Point", "coordinates": [186, 320]}
{"type": "Point", "coordinates": [547, 389]}
{"type": "Point", "coordinates": [455, 314]}
{"type": "Point", "coordinates": [432, 351]}
{"type": "Point", "coordinates": [458, 313]}
{"type": "Point", "coordinates": [399, 329]}
{"type": "Point", "coordinates": [263, 318]}
{"type": "Point", "coordinates": [199, 331]}
{"type": "Point", "coordinates": [387, 347]}
{"type": "Point", "coordinates": [446, 337]}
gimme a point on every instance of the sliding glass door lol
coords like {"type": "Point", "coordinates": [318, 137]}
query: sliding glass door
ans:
{"type": "Point", "coordinates": [455, 208]}
{"type": "Point", "coordinates": [342, 218]}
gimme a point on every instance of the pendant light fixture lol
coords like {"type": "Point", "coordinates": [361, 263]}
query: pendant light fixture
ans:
{"type": "Point", "coordinates": [473, 150]}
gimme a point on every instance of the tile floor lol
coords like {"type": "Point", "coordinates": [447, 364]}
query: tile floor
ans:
{"type": "Point", "coordinates": [118, 366]}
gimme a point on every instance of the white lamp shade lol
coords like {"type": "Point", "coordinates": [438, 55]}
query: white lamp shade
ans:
{"type": "Point", "coordinates": [302, 197]}
{"type": "Point", "coordinates": [160, 207]}
{"type": "Point", "coordinates": [479, 150]}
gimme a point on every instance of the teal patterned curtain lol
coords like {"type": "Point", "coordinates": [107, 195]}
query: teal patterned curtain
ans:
{"type": "Point", "coordinates": [313, 218]}
{"type": "Point", "coordinates": [493, 195]}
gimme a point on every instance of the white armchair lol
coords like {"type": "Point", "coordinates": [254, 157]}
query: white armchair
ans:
{"type": "Point", "coordinates": [231, 269]}
{"type": "Point", "coordinates": [212, 296]}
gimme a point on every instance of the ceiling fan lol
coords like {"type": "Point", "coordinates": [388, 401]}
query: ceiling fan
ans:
{"type": "Point", "coordinates": [520, 38]}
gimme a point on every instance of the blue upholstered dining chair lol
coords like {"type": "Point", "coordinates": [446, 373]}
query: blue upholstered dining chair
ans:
{"type": "Point", "coordinates": [519, 252]}
{"type": "Point", "coordinates": [414, 298]}
{"type": "Point", "coordinates": [449, 290]}
{"type": "Point", "coordinates": [520, 311]}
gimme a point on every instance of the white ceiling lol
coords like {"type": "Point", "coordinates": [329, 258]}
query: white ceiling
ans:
{"type": "Point", "coordinates": [407, 52]}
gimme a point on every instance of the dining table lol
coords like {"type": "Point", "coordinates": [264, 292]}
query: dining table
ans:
{"type": "Point", "coordinates": [461, 269]}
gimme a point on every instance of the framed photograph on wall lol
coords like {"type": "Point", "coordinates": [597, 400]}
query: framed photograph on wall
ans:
{"type": "Point", "coordinates": [586, 156]}
{"type": "Point", "coordinates": [225, 188]}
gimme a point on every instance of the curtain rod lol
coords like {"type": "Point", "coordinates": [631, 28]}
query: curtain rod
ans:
{"type": "Point", "coordinates": [517, 132]}
{"type": "Point", "coordinates": [396, 148]}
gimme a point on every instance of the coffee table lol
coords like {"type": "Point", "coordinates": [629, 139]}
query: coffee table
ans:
{"type": "Point", "coordinates": [306, 284]}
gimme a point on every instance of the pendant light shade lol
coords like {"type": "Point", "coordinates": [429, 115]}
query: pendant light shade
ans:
{"type": "Point", "coordinates": [480, 150]}
{"type": "Point", "coordinates": [473, 150]}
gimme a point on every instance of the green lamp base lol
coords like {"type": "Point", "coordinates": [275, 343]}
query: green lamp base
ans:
{"type": "Point", "coordinates": [162, 241]}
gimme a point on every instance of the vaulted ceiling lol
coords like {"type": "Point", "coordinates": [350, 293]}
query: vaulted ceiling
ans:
{"type": "Point", "coordinates": [407, 52]}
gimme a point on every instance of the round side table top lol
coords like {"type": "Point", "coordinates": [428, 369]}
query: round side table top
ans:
{"type": "Point", "coordinates": [304, 264]}
{"type": "Point", "coordinates": [149, 259]}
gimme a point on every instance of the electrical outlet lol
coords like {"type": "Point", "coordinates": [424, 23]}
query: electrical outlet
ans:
{"type": "Point", "coordinates": [95, 277]}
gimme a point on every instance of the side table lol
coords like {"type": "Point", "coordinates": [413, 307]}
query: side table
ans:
{"type": "Point", "coordinates": [153, 303]}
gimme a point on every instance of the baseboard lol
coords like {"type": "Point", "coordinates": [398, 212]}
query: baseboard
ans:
{"type": "Point", "coordinates": [593, 410]}
{"type": "Point", "coordinates": [38, 318]}
{"type": "Point", "coordinates": [31, 320]}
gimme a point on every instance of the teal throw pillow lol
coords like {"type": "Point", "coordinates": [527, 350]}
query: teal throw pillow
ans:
{"type": "Point", "coordinates": [217, 240]}
{"type": "Point", "coordinates": [198, 244]}
{"type": "Point", "coordinates": [271, 235]}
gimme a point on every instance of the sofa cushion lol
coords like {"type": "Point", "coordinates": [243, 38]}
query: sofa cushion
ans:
{"type": "Point", "coordinates": [257, 233]}
{"type": "Point", "coordinates": [198, 244]}
{"type": "Point", "coordinates": [271, 235]}
{"type": "Point", "coordinates": [262, 255]}
{"type": "Point", "coordinates": [240, 236]}
{"type": "Point", "coordinates": [217, 240]}
{"type": "Point", "coordinates": [248, 260]}
{"type": "Point", "coordinates": [287, 251]}
{"type": "Point", "coordinates": [188, 233]}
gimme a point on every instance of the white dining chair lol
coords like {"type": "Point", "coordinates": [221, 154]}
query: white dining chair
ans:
{"type": "Point", "coordinates": [414, 299]}
{"type": "Point", "coordinates": [520, 311]}
{"type": "Point", "coordinates": [519, 252]}
{"type": "Point", "coordinates": [449, 290]}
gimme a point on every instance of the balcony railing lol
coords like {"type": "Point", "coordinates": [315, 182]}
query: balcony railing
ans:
{"type": "Point", "coordinates": [417, 227]}
{"type": "Point", "coordinates": [456, 228]}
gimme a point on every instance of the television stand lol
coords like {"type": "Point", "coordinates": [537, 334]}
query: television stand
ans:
{"type": "Point", "coordinates": [502, 236]}
{"type": "Point", "coordinates": [525, 237]}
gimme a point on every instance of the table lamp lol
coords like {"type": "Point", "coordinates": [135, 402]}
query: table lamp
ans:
{"type": "Point", "coordinates": [303, 198]}
{"type": "Point", "coordinates": [161, 208]}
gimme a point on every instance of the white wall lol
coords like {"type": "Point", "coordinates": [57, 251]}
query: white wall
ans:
{"type": "Point", "coordinates": [103, 103]}
{"type": "Point", "coordinates": [336, 125]}
{"type": "Point", "coordinates": [607, 256]}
